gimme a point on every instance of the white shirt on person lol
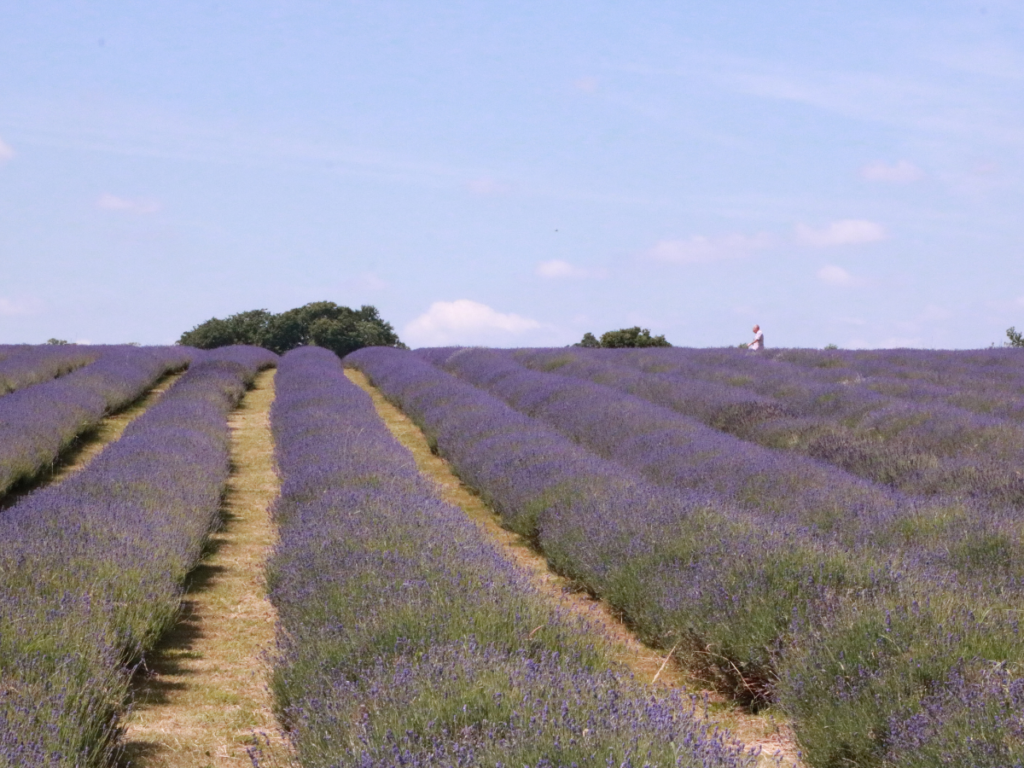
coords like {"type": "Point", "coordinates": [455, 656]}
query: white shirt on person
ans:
{"type": "Point", "coordinates": [758, 342]}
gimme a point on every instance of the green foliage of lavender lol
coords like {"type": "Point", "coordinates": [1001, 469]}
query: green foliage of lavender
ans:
{"type": "Point", "coordinates": [93, 569]}
{"type": "Point", "coordinates": [407, 639]}
{"type": "Point", "coordinates": [38, 422]}
{"type": "Point", "coordinates": [927, 423]}
{"type": "Point", "coordinates": [876, 672]}
{"type": "Point", "coordinates": [665, 558]}
{"type": "Point", "coordinates": [24, 365]}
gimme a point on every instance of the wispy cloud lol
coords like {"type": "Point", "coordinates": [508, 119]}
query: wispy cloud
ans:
{"type": "Point", "coordinates": [15, 307]}
{"type": "Point", "coordinates": [843, 232]}
{"type": "Point", "coordinates": [108, 202]}
{"type": "Point", "coordinates": [834, 275]}
{"type": "Point", "coordinates": [929, 102]}
{"type": "Point", "coordinates": [6, 153]}
{"type": "Point", "coordinates": [558, 269]}
{"type": "Point", "coordinates": [700, 249]}
{"type": "Point", "coordinates": [902, 172]}
{"type": "Point", "coordinates": [466, 322]}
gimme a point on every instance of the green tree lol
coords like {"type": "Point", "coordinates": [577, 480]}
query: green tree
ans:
{"type": "Point", "coordinates": [243, 328]}
{"type": "Point", "coordinates": [624, 337]}
{"type": "Point", "coordinates": [321, 323]}
{"type": "Point", "coordinates": [59, 342]}
{"type": "Point", "coordinates": [632, 337]}
{"type": "Point", "coordinates": [1016, 338]}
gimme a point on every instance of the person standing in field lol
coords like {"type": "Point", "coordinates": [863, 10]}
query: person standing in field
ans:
{"type": "Point", "coordinates": [758, 342]}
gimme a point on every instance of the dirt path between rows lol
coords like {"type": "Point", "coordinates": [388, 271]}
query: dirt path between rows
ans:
{"type": "Point", "coordinates": [90, 444]}
{"type": "Point", "coordinates": [759, 732]}
{"type": "Point", "coordinates": [204, 691]}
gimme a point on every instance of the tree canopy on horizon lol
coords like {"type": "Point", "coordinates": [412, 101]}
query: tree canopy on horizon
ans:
{"type": "Point", "coordinates": [624, 337]}
{"type": "Point", "coordinates": [321, 323]}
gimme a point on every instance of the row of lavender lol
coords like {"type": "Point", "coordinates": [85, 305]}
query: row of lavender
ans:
{"type": "Point", "coordinates": [407, 639]}
{"type": "Point", "coordinates": [877, 654]}
{"type": "Point", "coordinates": [786, 491]}
{"type": "Point", "coordinates": [24, 365]}
{"type": "Point", "coordinates": [38, 422]}
{"type": "Point", "coordinates": [957, 431]}
{"type": "Point", "coordinates": [92, 569]}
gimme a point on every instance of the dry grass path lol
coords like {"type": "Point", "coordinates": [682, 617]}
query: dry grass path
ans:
{"type": "Point", "coordinates": [762, 732]}
{"type": "Point", "coordinates": [204, 692]}
{"type": "Point", "coordinates": [89, 444]}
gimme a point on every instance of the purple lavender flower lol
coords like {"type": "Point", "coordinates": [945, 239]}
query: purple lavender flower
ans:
{"type": "Point", "coordinates": [93, 569]}
{"type": "Point", "coordinates": [406, 637]}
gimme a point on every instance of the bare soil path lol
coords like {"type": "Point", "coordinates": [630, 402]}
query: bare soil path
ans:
{"type": "Point", "coordinates": [760, 732]}
{"type": "Point", "coordinates": [89, 444]}
{"type": "Point", "coordinates": [204, 691]}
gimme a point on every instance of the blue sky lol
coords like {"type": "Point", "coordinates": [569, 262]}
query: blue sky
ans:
{"type": "Point", "coordinates": [516, 173]}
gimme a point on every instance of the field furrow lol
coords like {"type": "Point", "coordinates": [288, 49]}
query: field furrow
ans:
{"type": "Point", "coordinates": [40, 422]}
{"type": "Point", "coordinates": [873, 651]}
{"type": "Point", "coordinates": [203, 692]}
{"type": "Point", "coordinates": [962, 437]}
{"type": "Point", "coordinates": [93, 568]}
{"type": "Point", "coordinates": [762, 734]}
{"type": "Point", "coordinates": [88, 445]}
{"type": "Point", "coordinates": [27, 365]}
{"type": "Point", "coordinates": [407, 638]}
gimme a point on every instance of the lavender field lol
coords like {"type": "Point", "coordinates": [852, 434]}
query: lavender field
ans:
{"type": "Point", "coordinates": [834, 538]}
{"type": "Point", "coordinates": [835, 535]}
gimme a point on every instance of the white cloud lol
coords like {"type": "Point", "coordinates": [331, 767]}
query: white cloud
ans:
{"type": "Point", "coordinates": [699, 249]}
{"type": "Point", "coordinates": [843, 232]}
{"type": "Point", "coordinates": [902, 172]}
{"type": "Point", "coordinates": [6, 153]}
{"type": "Point", "coordinates": [465, 322]}
{"type": "Point", "coordinates": [833, 275]}
{"type": "Point", "coordinates": [557, 268]}
{"type": "Point", "coordinates": [14, 307]}
{"type": "Point", "coordinates": [109, 202]}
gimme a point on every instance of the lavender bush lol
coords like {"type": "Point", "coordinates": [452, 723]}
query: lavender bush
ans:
{"type": "Point", "coordinates": [37, 423]}
{"type": "Point", "coordinates": [22, 366]}
{"type": "Point", "coordinates": [407, 639]}
{"type": "Point", "coordinates": [786, 492]}
{"type": "Point", "coordinates": [686, 568]}
{"type": "Point", "coordinates": [93, 569]}
{"type": "Point", "coordinates": [857, 660]}
{"type": "Point", "coordinates": [894, 435]}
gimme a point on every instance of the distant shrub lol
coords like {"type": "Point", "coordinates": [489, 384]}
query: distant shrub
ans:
{"type": "Point", "coordinates": [1016, 338]}
{"type": "Point", "coordinates": [624, 337]}
{"type": "Point", "coordinates": [831, 346]}
{"type": "Point", "coordinates": [320, 323]}
{"type": "Point", "coordinates": [61, 342]}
